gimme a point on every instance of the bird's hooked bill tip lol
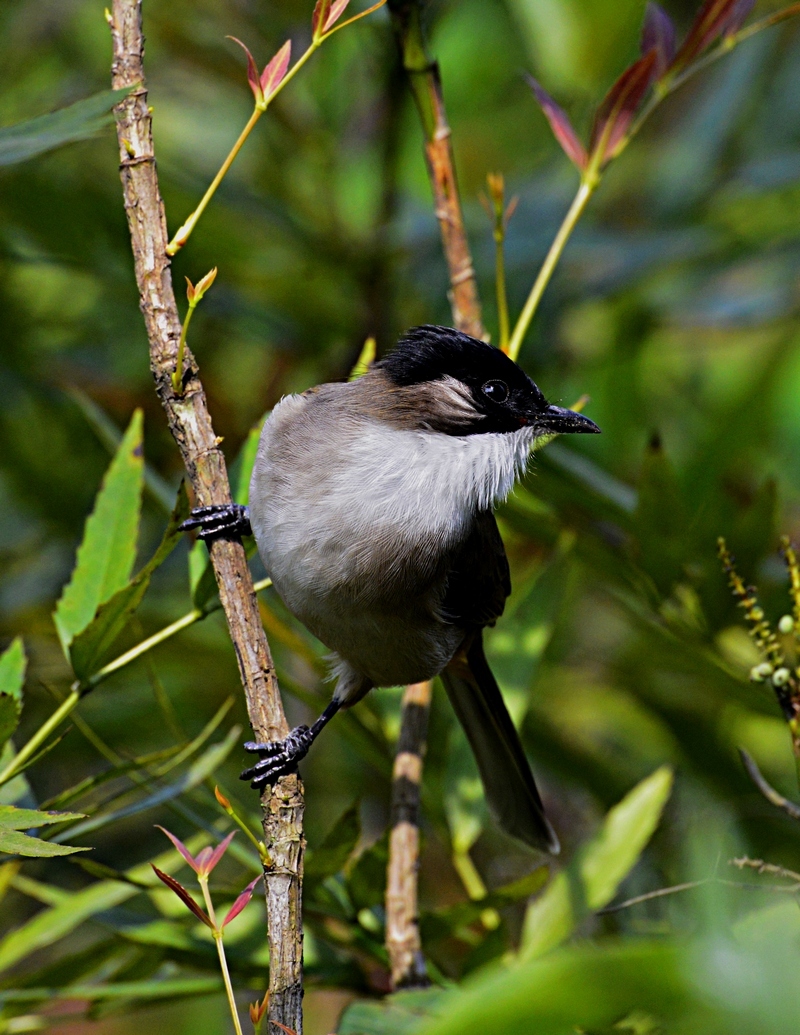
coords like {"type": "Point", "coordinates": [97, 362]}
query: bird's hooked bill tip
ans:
{"type": "Point", "coordinates": [567, 422]}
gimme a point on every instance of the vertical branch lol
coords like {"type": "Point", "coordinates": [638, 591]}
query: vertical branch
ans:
{"type": "Point", "coordinates": [402, 914]}
{"type": "Point", "coordinates": [402, 927]}
{"type": "Point", "coordinates": [190, 424]}
{"type": "Point", "coordinates": [426, 87]}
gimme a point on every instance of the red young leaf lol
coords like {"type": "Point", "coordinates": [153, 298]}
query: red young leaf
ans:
{"type": "Point", "coordinates": [212, 857]}
{"type": "Point", "coordinates": [560, 125]}
{"type": "Point", "coordinates": [252, 71]}
{"type": "Point", "coordinates": [337, 10]}
{"type": "Point", "coordinates": [658, 33]}
{"type": "Point", "coordinates": [241, 901]}
{"type": "Point", "coordinates": [183, 895]}
{"type": "Point", "coordinates": [289, 1031]}
{"type": "Point", "coordinates": [619, 105]}
{"type": "Point", "coordinates": [275, 72]}
{"type": "Point", "coordinates": [319, 17]}
{"type": "Point", "coordinates": [711, 21]}
{"type": "Point", "coordinates": [178, 843]}
{"type": "Point", "coordinates": [739, 14]}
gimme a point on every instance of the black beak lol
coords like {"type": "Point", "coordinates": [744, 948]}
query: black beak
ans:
{"type": "Point", "coordinates": [566, 422]}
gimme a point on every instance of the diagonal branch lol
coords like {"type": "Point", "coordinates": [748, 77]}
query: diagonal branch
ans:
{"type": "Point", "coordinates": [190, 424]}
{"type": "Point", "coordinates": [426, 87]}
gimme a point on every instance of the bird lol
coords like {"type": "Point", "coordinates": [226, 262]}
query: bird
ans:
{"type": "Point", "coordinates": [372, 507]}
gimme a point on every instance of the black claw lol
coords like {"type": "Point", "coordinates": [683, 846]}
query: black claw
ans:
{"type": "Point", "coordinates": [221, 521]}
{"type": "Point", "coordinates": [281, 758]}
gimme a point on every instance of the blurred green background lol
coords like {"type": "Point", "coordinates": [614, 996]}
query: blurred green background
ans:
{"type": "Point", "coordinates": [675, 309]}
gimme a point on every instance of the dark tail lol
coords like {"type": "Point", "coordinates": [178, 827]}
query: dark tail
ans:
{"type": "Point", "coordinates": [507, 779]}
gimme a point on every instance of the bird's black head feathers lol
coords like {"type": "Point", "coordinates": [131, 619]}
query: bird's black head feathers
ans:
{"type": "Point", "coordinates": [504, 397]}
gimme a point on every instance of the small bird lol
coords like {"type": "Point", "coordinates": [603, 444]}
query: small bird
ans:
{"type": "Point", "coordinates": [371, 503]}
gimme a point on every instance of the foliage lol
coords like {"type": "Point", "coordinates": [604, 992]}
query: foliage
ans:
{"type": "Point", "coordinates": [621, 653]}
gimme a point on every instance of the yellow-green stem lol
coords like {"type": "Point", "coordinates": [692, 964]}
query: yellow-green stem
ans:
{"type": "Point", "coordinates": [41, 735]}
{"type": "Point", "coordinates": [500, 279]}
{"type": "Point", "coordinates": [182, 236]}
{"type": "Point", "coordinates": [79, 689]}
{"type": "Point", "coordinates": [177, 373]}
{"type": "Point", "coordinates": [223, 962]}
{"type": "Point", "coordinates": [585, 191]}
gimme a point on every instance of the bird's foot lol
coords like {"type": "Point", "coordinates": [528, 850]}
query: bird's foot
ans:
{"type": "Point", "coordinates": [277, 757]}
{"type": "Point", "coordinates": [225, 521]}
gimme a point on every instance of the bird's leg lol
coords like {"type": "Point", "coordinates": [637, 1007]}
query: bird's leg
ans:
{"type": "Point", "coordinates": [225, 521]}
{"type": "Point", "coordinates": [281, 756]}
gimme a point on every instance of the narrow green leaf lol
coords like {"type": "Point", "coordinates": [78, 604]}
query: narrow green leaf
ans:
{"type": "Point", "coordinates": [161, 492]}
{"type": "Point", "coordinates": [90, 647]}
{"type": "Point", "coordinates": [46, 132]}
{"type": "Point", "coordinates": [204, 766]}
{"type": "Point", "coordinates": [12, 676]}
{"type": "Point", "coordinates": [121, 989]}
{"type": "Point", "coordinates": [12, 818]}
{"type": "Point", "coordinates": [592, 881]}
{"type": "Point", "coordinates": [627, 828]}
{"type": "Point", "coordinates": [13, 842]}
{"type": "Point", "coordinates": [202, 583]}
{"type": "Point", "coordinates": [108, 550]}
{"type": "Point", "coordinates": [51, 924]}
{"type": "Point", "coordinates": [243, 467]}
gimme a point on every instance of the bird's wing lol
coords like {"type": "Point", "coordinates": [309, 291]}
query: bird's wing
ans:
{"type": "Point", "coordinates": [478, 581]}
{"type": "Point", "coordinates": [506, 776]}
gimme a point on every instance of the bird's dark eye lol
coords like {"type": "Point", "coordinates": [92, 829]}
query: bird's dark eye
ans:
{"type": "Point", "coordinates": [497, 391]}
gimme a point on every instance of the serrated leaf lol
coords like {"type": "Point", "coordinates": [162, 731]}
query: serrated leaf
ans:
{"type": "Point", "coordinates": [592, 880]}
{"type": "Point", "coordinates": [658, 33]}
{"type": "Point", "coordinates": [12, 676]}
{"type": "Point", "coordinates": [14, 842]}
{"type": "Point", "coordinates": [90, 647]}
{"type": "Point", "coordinates": [619, 105]}
{"type": "Point", "coordinates": [46, 132]}
{"type": "Point", "coordinates": [275, 72]}
{"type": "Point", "coordinates": [560, 125]}
{"type": "Point", "coordinates": [108, 550]}
{"type": "Point", "coordinates": [12, 818]}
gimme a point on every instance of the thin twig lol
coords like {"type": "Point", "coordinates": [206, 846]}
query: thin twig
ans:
{"type": "Point", "coordinates": [402, 919]}
{"type": "Point", "coordinates": [772, 796]}
{"type": "Point", "coordinates": [190, 424]}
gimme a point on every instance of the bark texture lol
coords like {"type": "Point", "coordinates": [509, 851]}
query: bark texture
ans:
{"type": "Point", "coordinates": [190, 424]}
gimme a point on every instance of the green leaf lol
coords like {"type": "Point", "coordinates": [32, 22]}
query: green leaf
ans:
{"type": "Point", "coordinates": [205, 765]}
{"type": "Point", "coordinates": [12, 818]}
{"type": "Point", "coordinates": [243, 467]}
{"type": "Point", "coordinates": [399, 1014]}
{"type": "Point", "coordinates": [108, 550]}
{"type": "Point", "coordinates": [90, 647]}
{"type": "Point", "coordinates": [202, 582]}
{"type": "Point", "coordinates": [660, 519]}
{"type": "Point", "coordinates": [592, 880]}
{"type": "Point", "coordinates": [628, 827]}
{"type": "Point", "coordinates": [46, 132]}
{"type": "Point", "coordinates": [51, 924]}
{"type": "Point", "coordinates": [12, 676]}
{"type": "Point", "coordinates": [337, 847]}
{"type": "Point", "coordinates": [584, 988]}
{"type": "Point", "coordinates": [169, 988]}
{"type": "Point", "coordinates": [12, 842]}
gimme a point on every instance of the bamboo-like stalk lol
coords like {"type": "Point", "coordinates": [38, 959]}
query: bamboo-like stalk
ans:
{"type": "Point", "coordinates": [190, 424]}
{"type": "Point", "coordinates": [402, 914]}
